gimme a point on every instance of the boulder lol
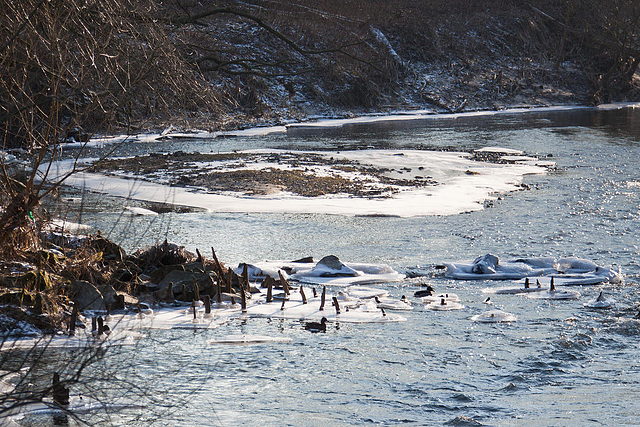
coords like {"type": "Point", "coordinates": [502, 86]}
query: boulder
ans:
{"type": "Point", "coordinates": [183, 283]}
{"type": "Point", "coordinates": [158, 275]}
{"type": "Point", "coordinates": [331, 266]}
{"type": "Point", "coordinates": [109, 294]}
{"type": "Point", "coordinates": [485, 264]}
{"type": "Point", "coordinates": [87, 296]}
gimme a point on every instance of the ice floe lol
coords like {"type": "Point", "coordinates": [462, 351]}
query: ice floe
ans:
{"type": "Point", "coordinates": [566, 271]}
{"type": "Point", "coordinates": [393, 304]}
{"type": "Point", "coordinates": [554, 293]}
{"type": "Point", "coordinates": [444, 305]}
{"type": "Point", "coordinates": [600, 302]}
{"type": "Point", "coordinates": [526, 287]}
{"type": "Point", "coordinates": [365, 292]}
{"type": "Point", "coordinates": [62, 225]}
{"type": "Point", "coordinates": [329, 271]}
{"type": "Point", "coordinates": [322, 122]}
{"type": "Point", "coordinates": [78, 404]}
{"type": "Point", "coordinates": [438, 298]}
{"type": "Point", "coordinates": [311, 311]}
{"type": "Point", "coordinates": [82, 339]}
{"type": "Point", "coordinates": [137, 211]}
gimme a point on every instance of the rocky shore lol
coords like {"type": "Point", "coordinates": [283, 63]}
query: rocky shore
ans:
{"type": "Point", "coordinates": [41, 291]}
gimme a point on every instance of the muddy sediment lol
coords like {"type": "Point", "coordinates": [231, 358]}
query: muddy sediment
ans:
{"type": "Point", "coordinates": [302, 174]}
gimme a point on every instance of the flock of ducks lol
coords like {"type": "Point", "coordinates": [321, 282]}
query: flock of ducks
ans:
{"type": "Point", "coordinates": [450, 301]}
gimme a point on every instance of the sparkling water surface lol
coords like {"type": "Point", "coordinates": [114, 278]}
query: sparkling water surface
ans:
{"type": "Point", "coordinates": [559, 364]}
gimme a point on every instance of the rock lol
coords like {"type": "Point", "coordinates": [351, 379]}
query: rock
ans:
{"type": "Point", "coordinates": [331, 266]}
{"type": "Point", "coordinates": [253, 272]}
{"type": "Point", "coordinates": [485, 264]}
{"type": "Point", "coordinates": [158, 275]}
{"type": "Point", "coordinates": [87, 296]}
{"type": "Point", "coordinates": [109, 294]}
{"type": "Point", "coordinates": [463, 421]}
{"type": "Point", "coordinates": [183, 284]}
{"type": "Point", "coordinates": [231, 297]}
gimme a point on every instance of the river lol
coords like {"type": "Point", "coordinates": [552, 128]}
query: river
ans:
{"type": "Point", "coordinates": [559, 364]}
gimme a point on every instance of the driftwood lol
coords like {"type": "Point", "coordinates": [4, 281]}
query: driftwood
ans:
{"type": "Point", "coordinates": [217, 289]}
{"type": "Point", "coordinates": [101, 328]}
{"type": "Point", "coordinates": [73, 319]}
{"type": "Point", "coordinates": [207, 304]}
{"type": "Point", "coordinates": [243, 299]}
{"type": "Point", "coordinates": [285, 284]}
{"type": "Point", "coordinates": [196, 290]}
{"type": "Point", "coordinates": [60, 392]}
{"type": "Point", "coordinates": [227, 285]}
{"type": "Point", "coordinates": [244, 283]}
{"type": "Point", "coordinates": [270, 282]}
{"type": "Point", "coordinates": [219, 270]}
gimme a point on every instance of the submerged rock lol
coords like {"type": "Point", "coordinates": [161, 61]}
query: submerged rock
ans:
{"type": "Point", "coordinates": [463, 421]}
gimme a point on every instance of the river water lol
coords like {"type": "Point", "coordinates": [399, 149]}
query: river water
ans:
{"type": "Point", "coordinates": [559, 364]}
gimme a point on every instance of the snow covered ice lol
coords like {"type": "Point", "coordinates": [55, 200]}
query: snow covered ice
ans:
{"type": "Point", "coordinates": [566, 271]}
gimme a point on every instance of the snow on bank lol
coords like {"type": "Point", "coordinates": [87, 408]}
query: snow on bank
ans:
{"type": "Point", "coordinates": [429, 114]}
{"type": "Point", "coordinates": [463, 185]}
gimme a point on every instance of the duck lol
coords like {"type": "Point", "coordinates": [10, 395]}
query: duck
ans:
{"type": "Point", "coordinates": [424, 292]}
{"type": "Point", "coordinates": [600, 302]}
{"type": "Point", "coordinates": [317, 326]}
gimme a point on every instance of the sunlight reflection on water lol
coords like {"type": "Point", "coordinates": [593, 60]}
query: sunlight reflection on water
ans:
{"type": "Point", "coordinates": [559, 364]}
